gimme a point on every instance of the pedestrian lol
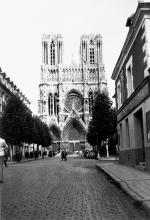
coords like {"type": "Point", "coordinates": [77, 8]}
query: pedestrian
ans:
{"type": "Point", "coordinates": [18, 154]}
{"type": "Point", "coordinates": [3, 146]}
{"type": "Point", "coordinates": [5, 158]}
{"type": "Point", "coordinates": [117, 152]}
{"type": "Point", "coordinates": [61, 155]}
{"type": "Point", "coordinates": [64, 154]}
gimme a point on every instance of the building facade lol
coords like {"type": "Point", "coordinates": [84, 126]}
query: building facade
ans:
{"type": "Point", "coordinates": [7, 89]}
{"type": "Point", "coordinates": [67, 93]}
{"type": "Point", "coordinates": [132, 83]}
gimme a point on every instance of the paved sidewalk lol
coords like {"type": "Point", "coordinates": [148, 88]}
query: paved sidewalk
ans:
{"type": "Point", "coordinates": [134, 182]}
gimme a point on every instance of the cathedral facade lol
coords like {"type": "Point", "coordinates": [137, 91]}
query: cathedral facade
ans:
{"type": "Point", "coordinates": [66, 94]}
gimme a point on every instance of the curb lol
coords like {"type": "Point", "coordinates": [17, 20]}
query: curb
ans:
{"type": "Point", "coordinates": [124, 186]}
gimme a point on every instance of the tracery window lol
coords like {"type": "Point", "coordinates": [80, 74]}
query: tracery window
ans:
{"type": "Point", "coordinates": [91, 101]}
{"type": "Point", "coordinates": [59, 49]}
{"type": "Point", "coordinates": [56, 104]}
{"type": "Point", "coordinates": [53, 104]}
{"type": "Point", "coordinates": [91, 55]}
{"type": "Point", "coordinates": [52, 53]}
{"type": "Point", "coordinates": [50, 104]}
{"type": "Point", "coordinates": [74, 100]}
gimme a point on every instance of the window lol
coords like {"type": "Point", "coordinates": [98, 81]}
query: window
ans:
{"type": "Point", "coordinates": [129, 77]}
{"type": "Point", "coordinates": [119, 94]}
{"type": "Point", "coordinates": [91, 101]}
{"type": "Point", "coordinates": [50, 104]}
{"type": "Point", "coordinates": [56, 104]}
{"type": "Point", "coordinates": [91, 55]}
{"type": "Point", "coordinates": [98, 44]}
{"type": "Point", "coordinates": [52, 53]}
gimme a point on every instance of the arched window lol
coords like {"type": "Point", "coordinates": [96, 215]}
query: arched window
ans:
{"type": "Point", "coordinates": [92, 60]}
{"type": "Point", "coordinates": [50, 104]}
{"type": "Point", "coordinates": [91, 55]}
{"type": "Point", "coordinates": [91, 100]}
{"type": "Point", "coordinates": [98, 44]}
{"type": "Point", "coordinates": [52, 53]}
{"type": "Point", "coordinates": [55, 103]}
{"type": "Point", "coordinates": [74, 100]}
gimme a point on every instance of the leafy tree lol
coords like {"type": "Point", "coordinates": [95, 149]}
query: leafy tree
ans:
{"type": "Point", "coordinates": [40, 132]}
{"type": "Point", "coordinates": [18, 125]}
{"type": "Point", "coordinates": [14, 121]}
{"type": "Point", "coordinates": [103, 123]}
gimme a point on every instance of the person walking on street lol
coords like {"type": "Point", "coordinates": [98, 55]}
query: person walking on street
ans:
{"type": "Point", "coordinates": [5, 158]}
{"type": "Point", "coordinates": [64, 155]}
{"type": "Point", "coordinates": [3, 147]}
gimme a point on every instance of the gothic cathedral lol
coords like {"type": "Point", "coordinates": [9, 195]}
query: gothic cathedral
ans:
{"type": "Point", "coordinates": [67, 93]}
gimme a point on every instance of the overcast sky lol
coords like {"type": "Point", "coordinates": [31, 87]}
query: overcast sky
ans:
{"type": "Point", "coordinates": [22, 23]}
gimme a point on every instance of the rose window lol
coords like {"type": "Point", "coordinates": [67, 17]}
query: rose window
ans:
{"type": "Point", "coordinates": [75, 101]}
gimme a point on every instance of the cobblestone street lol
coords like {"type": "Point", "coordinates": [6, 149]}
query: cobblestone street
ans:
{"type": "Point", "coordinates": [51, 189]}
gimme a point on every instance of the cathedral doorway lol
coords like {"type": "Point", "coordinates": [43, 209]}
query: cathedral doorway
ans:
{"type": "Point", "coordinates": [73, 135]}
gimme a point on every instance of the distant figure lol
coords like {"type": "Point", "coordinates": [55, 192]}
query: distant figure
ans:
{"type": "Point", "coordinates": [64, 155]}
{"type": "Point", "coordinates": [18, 154]}
{"type": "Point", "coordinates": [3, 147]}
{"type": "Point", "coordinates": [117, 152]}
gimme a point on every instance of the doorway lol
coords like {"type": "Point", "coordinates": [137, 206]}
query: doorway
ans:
{"type": "Point", "coordinates": [139, 136]}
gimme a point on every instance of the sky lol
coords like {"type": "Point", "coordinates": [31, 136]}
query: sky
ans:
{"type": "Point", "coordinates": [23, 22]}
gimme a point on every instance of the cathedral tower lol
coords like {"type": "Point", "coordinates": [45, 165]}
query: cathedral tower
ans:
{"type": "Point", "coordinates": [91, 50]}
{"type": "Point", "coordinates": [52, 50]}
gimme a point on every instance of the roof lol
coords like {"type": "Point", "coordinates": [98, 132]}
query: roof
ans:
{"type": "Point", "coordinates": [131, 22]}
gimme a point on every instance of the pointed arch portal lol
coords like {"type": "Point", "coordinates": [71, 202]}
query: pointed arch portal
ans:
{"type": "Point", "coordinates": [73, 135]}
{"type": "Point", "coordinates": [73, 131]}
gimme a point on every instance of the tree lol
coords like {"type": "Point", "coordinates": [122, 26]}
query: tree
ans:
{"type": "Point", "coordinates": [19, 126]}
{"type": "Point", "coordinates": [103, 123]}
{"type": "Point", "coordinates": [40, 132]}
{"type": "Point", "coordinates": [14, 121]}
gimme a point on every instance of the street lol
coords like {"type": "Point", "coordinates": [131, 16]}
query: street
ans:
{"type": "Point", "coordinates": [63, 190]}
